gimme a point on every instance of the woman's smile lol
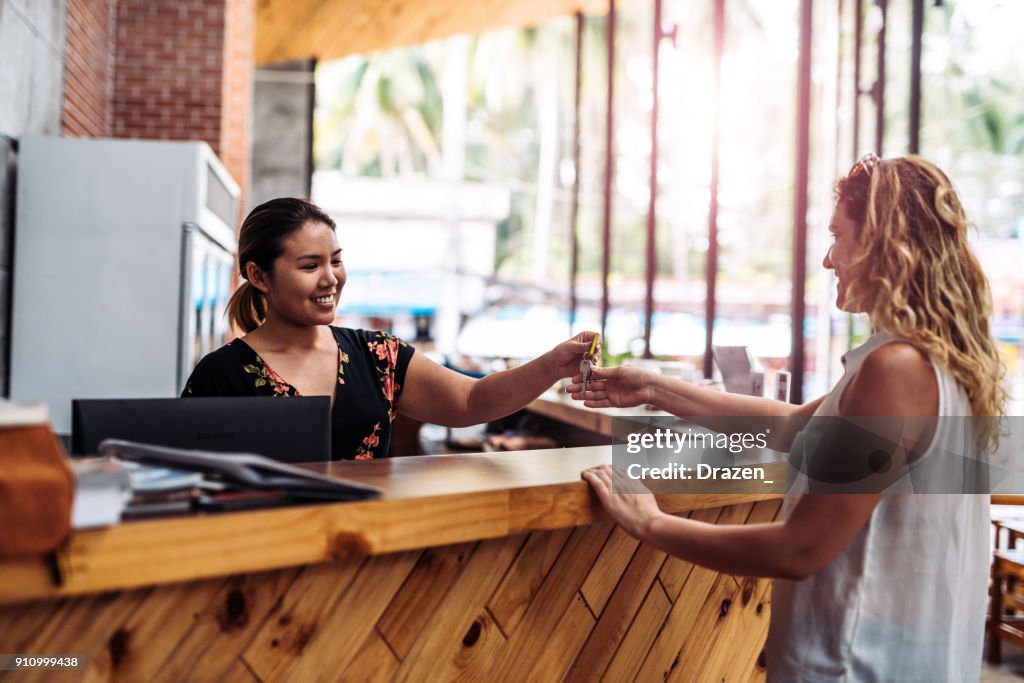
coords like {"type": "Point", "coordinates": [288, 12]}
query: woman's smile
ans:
{"type": "Point", "coordinates": [328, 300]}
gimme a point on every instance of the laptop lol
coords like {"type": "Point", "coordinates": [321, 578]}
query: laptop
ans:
{"type": "Point", "coordinates": [293, 429]}
{"type": "Point", "coordinates": [734, 363]}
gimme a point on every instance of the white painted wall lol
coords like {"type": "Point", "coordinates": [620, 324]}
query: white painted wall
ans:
{"type": "Point", "coordinates": [31, 98]}
{"type": "Point", "coordinates": [31, 66]}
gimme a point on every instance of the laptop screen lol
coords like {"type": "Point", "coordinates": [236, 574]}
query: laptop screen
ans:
{"type": "Point", "coordinates": [734, 364]}
{"type": "Point", "coordinates": [293, 429]}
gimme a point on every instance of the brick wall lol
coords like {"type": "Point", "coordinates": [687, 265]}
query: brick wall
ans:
{"type": "Point", "coordinates": [237, 88]}
{"type": "Point", "coordinates": [163, 70]}
{"type": "Point", "coordinates": [88, 68]}
{"type": "Point", "coordinates": [168, 78]}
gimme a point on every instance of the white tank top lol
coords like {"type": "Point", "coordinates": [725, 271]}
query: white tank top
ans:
{"type": "Point", "coordinates": [905, 600]}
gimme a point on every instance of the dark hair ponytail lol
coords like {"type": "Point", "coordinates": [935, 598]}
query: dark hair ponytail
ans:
{"type": "Point", "coordinates": [259, 242]}
{"type": "Point", "coordinates": [247, 307]}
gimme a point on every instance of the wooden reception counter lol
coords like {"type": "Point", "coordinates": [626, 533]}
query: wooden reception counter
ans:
{"type": "Point", "coordinates": [497, 567]}
{"type": "Point", "coordinates": [556, 405]}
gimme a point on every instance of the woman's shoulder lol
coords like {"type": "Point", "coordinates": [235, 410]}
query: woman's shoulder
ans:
{"type": "Point", "coordinates": [365, 338]}
{"type": "Point", "coordinates": [895, 352]}
{"type": "Point", "coordinates": [894, 378]}
{"type": "Point", "coordinates": [381, 350]}
{"type": "Point", "coordinates": [219, 373]}
{"type": "Point", "coordinates": [230, 354]}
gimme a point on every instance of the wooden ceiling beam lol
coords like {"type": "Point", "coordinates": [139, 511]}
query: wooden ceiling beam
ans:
{"type": "Point", "coordinates": [278, 24]}
{"type": "Point", "coordinates": [330, 29]}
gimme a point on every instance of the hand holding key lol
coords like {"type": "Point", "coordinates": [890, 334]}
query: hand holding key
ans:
{"type": "Point", "coordinates": [587, 364]}
{"type": "Point", "coordinates": [565, 357]}
{"type": "Point", "coordinates": [619, 387]}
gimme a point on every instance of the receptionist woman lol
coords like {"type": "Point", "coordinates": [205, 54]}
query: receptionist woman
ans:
{"type": "Point", "coordinates": [291, 264]}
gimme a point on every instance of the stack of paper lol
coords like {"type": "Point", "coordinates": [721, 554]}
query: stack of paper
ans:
{"type": "Point", "coordinates": [22, 414]}
{"type": "Point", "coordinates": [102, 488]}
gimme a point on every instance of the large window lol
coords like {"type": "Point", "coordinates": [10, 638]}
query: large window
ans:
{"type": "Point", "coordinates": [973, 126]}
{"type": "Point", "coordinates": [382, 116]}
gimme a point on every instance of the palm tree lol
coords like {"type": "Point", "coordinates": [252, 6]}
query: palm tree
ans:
{"type": "Point", "coordinates": [381, 114]}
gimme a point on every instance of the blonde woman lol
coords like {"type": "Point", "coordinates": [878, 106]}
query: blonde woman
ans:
{"type": "Point", "coordinates": [868, 587]}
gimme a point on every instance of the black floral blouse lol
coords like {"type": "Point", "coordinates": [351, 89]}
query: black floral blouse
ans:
{"type": "Point", "coordinates": [371, 373]}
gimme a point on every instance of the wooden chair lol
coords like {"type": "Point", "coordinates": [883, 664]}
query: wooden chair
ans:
{"type": "Point", "coordinates": [1013, 528]}
{"type": "Point", "coordinates": [1005, 591]}
{"type": "Point", "coordinates": [1007, 598]}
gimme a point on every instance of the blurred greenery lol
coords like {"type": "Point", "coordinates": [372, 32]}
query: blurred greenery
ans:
{"type": "Point", "coordinates": [381, 115]}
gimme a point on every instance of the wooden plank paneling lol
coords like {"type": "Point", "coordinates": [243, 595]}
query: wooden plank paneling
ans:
{"type": "Point", "coordinates": [471, 658]}
{"type": "Point", "coordinates": [551, 600]}
{"type": "Point", "coordinates": [18, 627]}
{"type": "Point", "coordinates": [446, 640]}
{"type": "Point", "coordinates": [642, 632]}
{"type": "Point", "coordinates": [750, 620]}
{"type": "Point", "coordinates": [283, 638]}
{"type": "Point", "coordinates": [587, 603]}
{"type": "Point", "coordinates": [663, 655]}
{"type": "Point", "coordinates": [752, 660]}
{"type": "Point", "coordinates": [428, 501]}
{"type": "Point", "coordinates": [612, 561]}
{"type": "Point", "coordinates": [516, 591]}
{"type": "Point", "coordinates": [333, 645]}
{"type": "Point", "coordinates": [705, 630]}
{"type": "Point", "coordinates": [156, 626]}
{"type": "Point", "coordinates": [423, 591]}
{"type": "Point", "coordinates": [675, 571]}
{"type": "Point", "coordinates": [562, 649]}
{"type": "Point", "coordinates": [91, 627]}
{"type": "Point", "coordinates": [616, 618]}
{"type": "Point", "coordinates": [374, 662]}
{"type": "Point", "coordinates": [240, 673]}
{"type": "Point", "coordinates": [746, 615]}
{"type": "Point", "coordinates": [750, 615]}
{"type": "Point", "coordinates": [231, 619]}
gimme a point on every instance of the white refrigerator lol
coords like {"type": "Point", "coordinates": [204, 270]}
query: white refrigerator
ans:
{"type": "Point", "coordinates": [123, 263]}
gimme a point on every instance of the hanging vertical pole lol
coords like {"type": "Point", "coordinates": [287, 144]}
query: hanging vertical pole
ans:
{"type": "Point", "coordinates": [574, 207]}
{"type": "Point", "coordinates": [858, 39]}
{"type": "Point", "coordinates": [858, 92]}
{"type": "Point", "coordinates": [840, 70]}
{"type": "Point", "coordinates": [711, 270]}
{"type": "Point", "coordinates": [609, 169]}
{"type": "Point", "coordinates": [917, 28]}
{"type": "Point", "coordinates": [879, 89]}
{"type": "Point", "coordinates": [652, 258]}
{"type": "Point", "coordinates": [310, 68]}
{"type": "Point", "coordinates": [803, 149]}
{"type": "Point", "coordinates": [453, 164]}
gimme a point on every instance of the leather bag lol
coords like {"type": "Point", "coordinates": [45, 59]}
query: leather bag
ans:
{"type": "Point", "coordinates": [36, 491]}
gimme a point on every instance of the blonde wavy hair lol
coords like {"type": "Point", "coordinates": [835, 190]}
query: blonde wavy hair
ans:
{"type": "Point", "coordinates": [917, 278]}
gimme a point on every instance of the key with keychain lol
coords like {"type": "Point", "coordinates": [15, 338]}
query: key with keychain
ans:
{"type": "Point", "coordinates": [587, 364]}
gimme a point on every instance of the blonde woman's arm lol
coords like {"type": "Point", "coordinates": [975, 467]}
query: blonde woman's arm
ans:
{"type": "Point", "coordinates": [894, 380]}
{"type": "Point", "coordinates": [627, 386]}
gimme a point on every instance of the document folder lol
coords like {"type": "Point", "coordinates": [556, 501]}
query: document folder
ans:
{"type": "Point", "coordinates": [242, 471]}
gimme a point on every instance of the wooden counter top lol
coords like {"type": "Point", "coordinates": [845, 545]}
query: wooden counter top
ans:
{"type": "Point", "coordinates": [557, 405]}
{"type": "Point", "coordinates": [428, 501]}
